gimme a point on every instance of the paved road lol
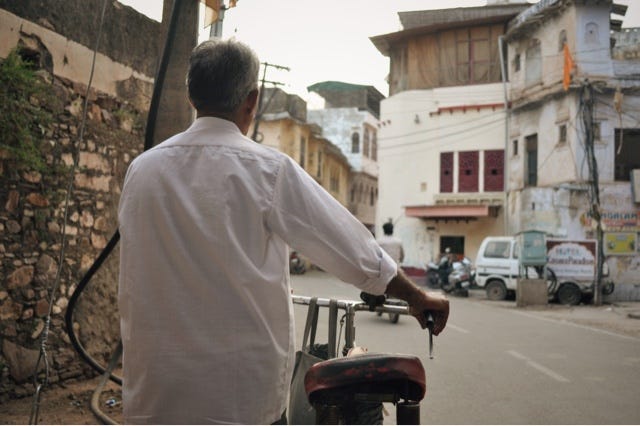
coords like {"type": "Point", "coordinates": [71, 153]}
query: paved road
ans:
{"type": "Point", "coordinates": [505, 366]}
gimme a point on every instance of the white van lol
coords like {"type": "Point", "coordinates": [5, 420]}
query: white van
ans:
{"type": "Point", "coordinates": [497, 266]}
{"type": "Point", "coordinates": [498, 269]}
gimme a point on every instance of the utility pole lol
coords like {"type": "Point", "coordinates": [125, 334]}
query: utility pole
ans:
{"type": "Point", "coordinates": [216, 27]}
{"type": "Point", "coordinates": [587, 101]}
{"type": "Point", "coordinates": [262, 109]}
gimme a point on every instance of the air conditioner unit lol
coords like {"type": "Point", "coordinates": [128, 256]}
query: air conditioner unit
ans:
{"type": "Point", "coordinates": [635, 185]}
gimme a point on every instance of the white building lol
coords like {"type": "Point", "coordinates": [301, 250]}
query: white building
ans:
{"type": "Point", "coordinates": [350, 119]}
{"type": "Point", "coordinates": [442, 136]}
{"type": "Point", "coordinates": [572, 149]}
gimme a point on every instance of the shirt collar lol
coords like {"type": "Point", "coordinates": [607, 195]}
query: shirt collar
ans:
{"type": "Point", "coordinates": [213, 123]}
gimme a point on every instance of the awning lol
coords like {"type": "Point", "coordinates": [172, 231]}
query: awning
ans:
{"type": "Point", "coordinates": [449, 212]}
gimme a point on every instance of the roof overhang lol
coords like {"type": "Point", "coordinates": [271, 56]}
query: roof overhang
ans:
{"type": "Point", "coordinates": [451, 212]}
{"type": "Point", "coordinates": [385, 42]}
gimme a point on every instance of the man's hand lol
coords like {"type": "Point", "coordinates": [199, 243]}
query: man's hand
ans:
{"type": "Point", "coordinates": [420, 302]}
{"type": "Point", "coordinates": [435, 304]}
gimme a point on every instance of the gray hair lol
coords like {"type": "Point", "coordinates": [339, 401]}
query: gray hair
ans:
{"type": "Point", "coordinates": [221, 75]}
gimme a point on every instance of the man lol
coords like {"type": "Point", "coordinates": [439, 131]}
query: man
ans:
{"type": "Point", "coordinates": [206, 218]}
{"type": "Point", "coordinates": [392, 245]}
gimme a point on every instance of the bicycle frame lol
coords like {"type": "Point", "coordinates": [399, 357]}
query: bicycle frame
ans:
{"type": "Point", "coordinates": [350, 307]}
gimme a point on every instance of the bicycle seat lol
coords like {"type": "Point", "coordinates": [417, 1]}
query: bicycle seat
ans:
{"type": "Point", "coordinates": [394, 375]}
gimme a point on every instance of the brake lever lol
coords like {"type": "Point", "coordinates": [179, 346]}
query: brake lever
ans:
{"type": "Point", "coordinates": [430, 324]}
{"type": "Point", "coordinates": [372, 301]}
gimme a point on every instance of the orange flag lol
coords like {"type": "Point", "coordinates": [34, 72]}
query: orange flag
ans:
{"type": "Point", "coordinates": [569, 65]}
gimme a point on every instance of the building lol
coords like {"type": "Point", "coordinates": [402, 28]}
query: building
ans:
{"type": "Point", "coordinates": [441, 140]}
{"type": "Point", "coordinates": [574, 134]}
{"type": "Point", "coordinates": [350, 118]}
{"type": "Point", "coordinates": [282, 124]}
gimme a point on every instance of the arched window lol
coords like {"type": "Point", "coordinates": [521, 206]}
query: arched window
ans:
{"type": "Point", "coordinates": [591, 33]}
{"type": "Point", "coordinates": [562, 39]}
{"type": "Point", "coordinates": [533, 69]}
{"type": "Point", "coordinates": [355, 142]}
{"type": "Point", "coordinates": [371, 197]}
{"type": "Point", "coordinates": [365, 143]}
{"type": "Point", "coordinates": [374, 146]}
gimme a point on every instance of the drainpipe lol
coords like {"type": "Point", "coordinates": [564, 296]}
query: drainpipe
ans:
{"type": "Point", "coordinates": [503, 70]}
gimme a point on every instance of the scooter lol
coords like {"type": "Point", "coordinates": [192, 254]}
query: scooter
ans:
{"type": "Point", "coordinates": [461, 278]}
{"type": "Point", "coordinates": [297, 266]}
{"type": "Point", "coordinates": [351, 389]}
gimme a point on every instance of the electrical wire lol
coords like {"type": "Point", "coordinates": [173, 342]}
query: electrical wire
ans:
{"type": "Point", "coordinates": [35, 407]}
{"type": "Point", "coordinates": [434, 139]}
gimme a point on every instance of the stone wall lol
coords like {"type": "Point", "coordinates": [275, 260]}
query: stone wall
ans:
{"type": "Point", "coordinates": [128, 37]}
{"type": "Point", "coordinates": [31, 222]}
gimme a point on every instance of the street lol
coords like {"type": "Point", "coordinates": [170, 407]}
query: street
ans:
{"type": "Point", "coordinates": [502, 366]}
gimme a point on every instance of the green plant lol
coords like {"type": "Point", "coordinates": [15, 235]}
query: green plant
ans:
{"type": "Point", "coordinates": [22, 120]}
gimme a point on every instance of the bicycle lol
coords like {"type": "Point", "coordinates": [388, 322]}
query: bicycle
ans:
{"type": "Point", "coordinates": [351, 389]}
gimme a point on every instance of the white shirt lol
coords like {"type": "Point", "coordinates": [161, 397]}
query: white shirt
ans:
{"type": "Point", "coordinates": [206, 314]}
{"type": "Point", "coordinates": [393, 246]}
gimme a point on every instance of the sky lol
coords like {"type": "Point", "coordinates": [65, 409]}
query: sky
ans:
{"type": "Point", "coordinates": [325, 40]}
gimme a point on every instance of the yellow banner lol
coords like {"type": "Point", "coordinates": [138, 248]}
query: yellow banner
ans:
{"type": "Point", "coordinates": [620, 243]}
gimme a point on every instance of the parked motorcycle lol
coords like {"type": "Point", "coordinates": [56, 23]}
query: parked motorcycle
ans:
{"type": "Point", "coordinates": [452, 277]}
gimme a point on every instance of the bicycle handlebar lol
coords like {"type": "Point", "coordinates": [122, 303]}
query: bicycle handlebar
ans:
{"type": "Point", "coordinates": [355, 305]}
{"type": "Point", "coordinates": [351, 306]}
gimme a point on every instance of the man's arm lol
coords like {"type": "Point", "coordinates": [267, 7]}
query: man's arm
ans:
{"type": "Point", "coordinates": [401, 287]}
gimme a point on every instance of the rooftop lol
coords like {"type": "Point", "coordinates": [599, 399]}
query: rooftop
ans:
{"type": "Point", "coordinates": [431, 21]}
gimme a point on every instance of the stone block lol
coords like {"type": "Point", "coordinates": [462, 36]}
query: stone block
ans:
{"type": "Point", "coordinates": [531, 292]}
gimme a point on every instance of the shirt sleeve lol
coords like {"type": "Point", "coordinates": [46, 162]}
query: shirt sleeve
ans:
{"type": "Point", "coordinates": [308, 218]}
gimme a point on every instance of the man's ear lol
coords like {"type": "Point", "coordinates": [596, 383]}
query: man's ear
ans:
{"type": "Point", "coordinates": [252, 100]}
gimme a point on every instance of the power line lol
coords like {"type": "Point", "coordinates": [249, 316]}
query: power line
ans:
{"type": "Point", "coordinates": [435, 138]}
{"type": "Point", "coordinates": [431, 143]}
{"type": "Point", "coordinates": [262, 109]}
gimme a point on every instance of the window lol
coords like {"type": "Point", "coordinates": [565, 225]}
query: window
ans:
{"type": "Point", "coordinates": [372, 197]}
{"type": "Point", "coordinates": [468, 171]}
{"type": "Point", "coordinates": [531, 178]}
{"type": "Point", "coordinates": [334, 180]}
{"type": "Point", "coordinates": [319, 169]}
{"type": "Point", "coordinates": [514, 147]}
{"type": "Point", "coordinates": [303, 151]}
{"type": "Point", "coordinates": [533, 69]}
{"type": "Point", "coordinates": [494, 170]}
{"type": "Point", "coordinates": [473, 55]}
{"type": "Point", "coordinates": [516, 63]}
{"type": "Point", "coordinates": [562, 40]}
{"type": "Point", "coordinates": [497, 249]}
{"type": "Point", "coordinates": [365, 143]}
{"type": "Point", "coordinates": [591, 33]}
{"type": "Point", "coordinates": [355, 142]}
{"type": "Point", "coordinates": [562, 133]}
{"type": "Point", "coordinates": [446, 172]}
{"type": "Point", "coordinates": [374, 146]}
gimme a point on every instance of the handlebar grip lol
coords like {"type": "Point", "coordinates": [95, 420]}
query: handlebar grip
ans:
{"type": "Point", "coordinates": [430, 321]}
{"type": "Point", "coordinates": [430, 324]}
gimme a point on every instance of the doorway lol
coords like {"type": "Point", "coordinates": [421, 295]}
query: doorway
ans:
{"type": "Point", "coordinates": [455, 243]}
